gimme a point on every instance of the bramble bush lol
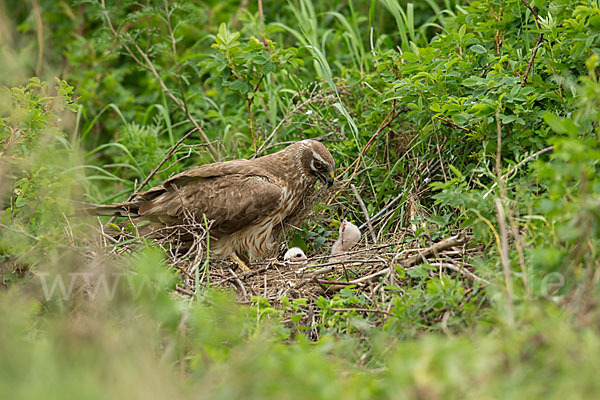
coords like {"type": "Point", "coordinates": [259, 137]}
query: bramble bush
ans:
{"type": "Point", "coordinates": [482, 115]}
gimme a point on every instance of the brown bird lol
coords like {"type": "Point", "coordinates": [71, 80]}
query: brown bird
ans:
{"type": "Point", "coordinates": [244, 199]}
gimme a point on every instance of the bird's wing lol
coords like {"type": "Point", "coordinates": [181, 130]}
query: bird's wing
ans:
{"type": "Point", "coordinates": [235, 167]}
{"type": "Point", "coordinates": [231, 201]}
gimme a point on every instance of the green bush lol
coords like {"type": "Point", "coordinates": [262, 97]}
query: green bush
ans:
{"type": "Point", "coordinates": [482, 116]}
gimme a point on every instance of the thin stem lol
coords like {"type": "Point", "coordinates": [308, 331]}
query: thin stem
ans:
{"type": "Point", "coordinates": [148, 65]}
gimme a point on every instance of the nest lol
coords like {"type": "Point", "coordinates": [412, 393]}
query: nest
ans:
{"type": "Point", "coordinates": [369, 271]}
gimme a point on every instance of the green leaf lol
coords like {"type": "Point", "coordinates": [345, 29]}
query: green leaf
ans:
{"type": "Point", "coordinates": [479, 49]}
{"type": "Point", "coordinates": [418, 272]}
{"type": "Point", "coordinates": [321, 302]}
{"type": "Point", "coordinates": [560, 125]}
{"type": "Point", "coordinates": [297, 241]}
{"type": "Point", "coordinates": [296, 318]}
{"type": "Point", "coordinates": [240, 86]}
{"type": "Point", "coordinates": [461, 32]}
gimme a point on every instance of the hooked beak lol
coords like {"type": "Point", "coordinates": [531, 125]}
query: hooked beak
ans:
{"type": "Point", "coordinates": [327, 180]}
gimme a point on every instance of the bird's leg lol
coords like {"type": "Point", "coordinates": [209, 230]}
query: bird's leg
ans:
{"type": "Point", "coordinates": [236, 259]}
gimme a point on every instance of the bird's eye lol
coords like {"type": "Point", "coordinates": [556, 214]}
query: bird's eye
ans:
{"type": "Point", "coordinates": [319, 165]}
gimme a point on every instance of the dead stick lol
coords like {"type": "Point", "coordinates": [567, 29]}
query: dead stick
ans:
{"type": "Point", "coordinates": [504, 254]}
{"type": "Point", "coordinates": [463, 271]}
{"type": "Point", "coordinates": [365, 212]}
{"type": "Point", "coordinates": [248, 274]}
{"type": "Point", "coordinates": [453, 124]}
{"type": "Point", "coordinates": [530, 63]}
{"type": "Point", "coordinates": [387, 121]}
{"type": "Point", "coordinates": [373, 310]}
{"type": "Point", "coordinates": [163, 161]}
{"type": "Point", "coordinates": [383, 210]}
{"type": "Point", "coordinates": [155, 170]}
{"type": "Point", "coordinates": [184, 291]}
{"type": "Point", "coordinates": [240, 284]}
{"type": "Point", "coordinates": [328, 282]}
{"type": "Point", "coordinates": [371, 276]}
{"type": "Point", "coordinates": [329, 267]}
{"type": "Point", "coordinates": [456, 240]}
{"type": "Point", "coordinates": [513, 169]}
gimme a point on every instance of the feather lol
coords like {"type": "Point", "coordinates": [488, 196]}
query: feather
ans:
{"type": "Point", "coordinates": [244, 199]}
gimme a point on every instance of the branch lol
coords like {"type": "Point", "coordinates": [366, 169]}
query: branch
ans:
{"type": "Point", "coordinates": [365, 212]}
{"type": "Point", "coordinates": [452, 124]}
{"type": "Point", "coordinates": [461, 270]}
{"type": "Point", "coordinates": [504, 254]}
{"type": "Point", "coordinates": [530, 63]}
{"type": "Point", "coordinates": [173, 45]}
{"type": "Point", "coordinates": [373, 310]}
{"type": "Point", "coordinates": [249, 100]}
{"type": "Point", "coordinates": [160, 164]}
{"type": "Point", "coordinates": [513, 169]}
{"type": "Point", "coordinates": [40, 37]}
{"type": "Point", "coordinates": [537, 43]}
{"type": "Point", "coordinates": [148, 65]}
{"type": "Point", "coordinates": [535, 15]}
{"type": "Point", "coordinates": [387, 121]}
{"type": "Point", "coordinates": [452, 241]}
{"type": "Point", "coordinates": [288, 115]}
{"type": "Point", "coordinates": [155, 170]}
{"type": "Point", "coordinates": [383, 210]}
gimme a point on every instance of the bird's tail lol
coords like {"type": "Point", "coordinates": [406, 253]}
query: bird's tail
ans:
{"type": "Point", "coordinates": [128, 209]}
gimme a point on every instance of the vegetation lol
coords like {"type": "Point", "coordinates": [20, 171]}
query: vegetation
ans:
{"type": "Point", "coordinates": [479, 117]}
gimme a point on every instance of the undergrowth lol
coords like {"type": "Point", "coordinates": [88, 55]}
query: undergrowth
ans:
{"type": "Point", "coordinates": [477, 116]}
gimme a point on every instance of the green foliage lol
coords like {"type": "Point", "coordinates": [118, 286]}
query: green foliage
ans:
{"type": "Point", "coordinates": [452, 105]}
{"type": "Point", "coordinates": [244, 66]}
{"type": "Point", "coordinates": [36, 161]}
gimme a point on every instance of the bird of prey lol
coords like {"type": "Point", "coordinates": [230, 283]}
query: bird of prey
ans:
{"type": "Point", "coordinates": [244, 199]}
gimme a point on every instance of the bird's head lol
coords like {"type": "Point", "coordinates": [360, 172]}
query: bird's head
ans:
{"type": "Point", "coordinates": [315, 160]}
{"type": "Point", "coordinates": [349, 233]}
{"type": "Point", "coordinates": [294, 255]}
{"type": "Point", "coordinates": [349, 236]}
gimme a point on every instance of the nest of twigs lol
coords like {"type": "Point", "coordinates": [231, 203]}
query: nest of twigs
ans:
{"type": "Point", "coordinates": [369, 270]}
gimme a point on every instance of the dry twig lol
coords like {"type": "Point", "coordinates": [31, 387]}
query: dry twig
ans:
{"type": "Point", "coordinates": [446, 121]}
{"type": "Point", "coordinates": [537, 43]}
{"type": "Point", "coordinates": [297, 108]}
{"type": "Point", "coordinates": [365, 212]}
{"type": "Point", "coordinates": [147, 64]}
{"type": "Point", "coordinates": [513, 169]}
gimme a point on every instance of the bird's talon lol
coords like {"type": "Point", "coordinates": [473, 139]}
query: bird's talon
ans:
{"type": "Point", "coordinates": [237, 260]}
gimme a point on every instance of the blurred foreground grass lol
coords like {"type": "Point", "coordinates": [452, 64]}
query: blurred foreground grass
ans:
{"type": "Point", "coordinates": [77, 322]}
{"type": "Point", "coordinates": [86, 325]}
{"type": "Point", "coordinates": [158, 346]}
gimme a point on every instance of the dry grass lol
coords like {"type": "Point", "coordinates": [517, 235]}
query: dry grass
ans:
{"type": "Point", "coordinates": [370, 269]}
